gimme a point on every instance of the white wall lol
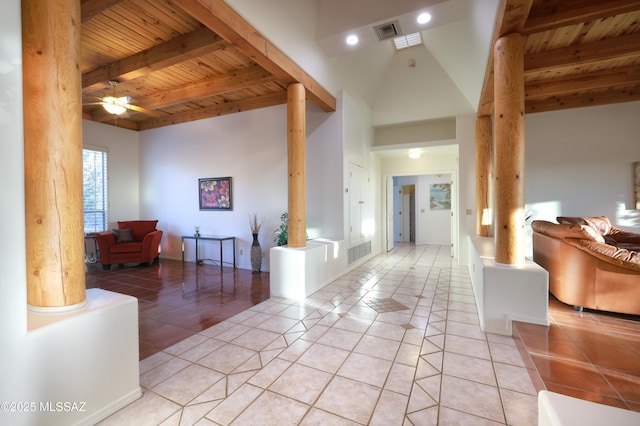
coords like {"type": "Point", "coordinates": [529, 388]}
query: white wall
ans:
{"type": "Point", "coordinates": [250, 147]}
{"type": "Point", "coordinates": [579, 163]}
{"type": "Point", "coordinates": [434, 226]}
{"type": "Point", "coordinates": [325, 207]}
{"type": "Point", "coordinates": [13, 282]}
{"type": "Point", "coordinates": [123, 166]}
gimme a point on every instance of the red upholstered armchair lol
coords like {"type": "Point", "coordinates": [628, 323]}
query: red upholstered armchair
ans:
{"type": "Point", "coordinates": [135, 241]}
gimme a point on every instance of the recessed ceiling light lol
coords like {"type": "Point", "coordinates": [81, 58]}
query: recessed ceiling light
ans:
{"type": "Point", "coordinates": [423, 18]}
{"type": "Point", "coordinates": [352, 40]}
{"type": "Point", "coordinates": [414, 153]}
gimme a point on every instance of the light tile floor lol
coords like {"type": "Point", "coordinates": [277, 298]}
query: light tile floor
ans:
{"type": "Point", "coordinates": [347, 355]}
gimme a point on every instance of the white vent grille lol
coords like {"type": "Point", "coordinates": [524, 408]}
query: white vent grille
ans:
{"type": "Point", "coordinates": [409, 40]}
{"type": "Point", "coordinates": [388, 30]}
{"type": "Point", "coordinates": [359, 251]}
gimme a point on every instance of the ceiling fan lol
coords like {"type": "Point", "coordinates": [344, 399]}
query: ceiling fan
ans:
{"type": "Point", "coordinates": [119, 105]}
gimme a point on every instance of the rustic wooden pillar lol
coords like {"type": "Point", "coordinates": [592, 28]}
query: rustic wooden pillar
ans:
{"type": "Point", "coordinates": [53, 153]}
{"type": "Point", "coordinates": [484, 143]}
{"type": "Point", "coordinates": [296, 149]}
{"type": "Point", "coordinates": [509, 148]}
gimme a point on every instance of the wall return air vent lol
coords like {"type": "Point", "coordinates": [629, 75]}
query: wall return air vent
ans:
{"type": "Point", "coordinates": [388, 30]}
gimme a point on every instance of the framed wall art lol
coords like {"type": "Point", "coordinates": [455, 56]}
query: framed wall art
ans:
{"type": "Point", "coordinates": [215, 193]}
{"type": "Point", "coordinates": [440, 196]}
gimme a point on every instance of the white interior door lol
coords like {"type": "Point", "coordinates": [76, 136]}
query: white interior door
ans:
{"type": "Point", "coordinates": [405, 218]}
{"type": "Point", "coordinates": [389, 213]}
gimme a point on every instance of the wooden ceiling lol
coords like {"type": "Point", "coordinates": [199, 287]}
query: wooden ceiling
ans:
{"type": "Point", "coordinates": [181, 60]}
{"type": "Point", "coordinates": [578, 53]}
{"type": "Point", "coordinates": [185, 60]}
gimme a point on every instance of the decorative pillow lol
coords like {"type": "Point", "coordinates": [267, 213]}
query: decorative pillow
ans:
{"type": "Point", "coordinates": [565, 230]}
{"type": "Point", "coordinates": [599, 223]}
{"type": "Point", "coordinates": [139, 228]}
{"type": "Point", "coordinates": [123, 235]}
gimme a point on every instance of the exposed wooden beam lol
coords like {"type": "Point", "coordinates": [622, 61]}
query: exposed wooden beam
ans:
{"type": "Point", "coordinates": [223, 20]}
{"type": "Point", "coordinates": [572, 56]}
{"type": "Point", "coordinates": [215, 111]}
{"type": "Point", "coordinates": [512, 16]}
{"type": "Point", "coordinates": [237, 80]}
{"type": "Point", "coordinates": [169, 53]}
{"type": "Point", "coordinates": [601, 80]}
{"type": "Point", "coordinates": [551, 14]}
{"type": "Point", "coordinates": [91, 8]}
{"type": "Point", "coordinates": [630, 94]}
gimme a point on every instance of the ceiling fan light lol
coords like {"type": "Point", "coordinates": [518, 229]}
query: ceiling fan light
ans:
{"type": "Point", "coordinates": [115, 106]}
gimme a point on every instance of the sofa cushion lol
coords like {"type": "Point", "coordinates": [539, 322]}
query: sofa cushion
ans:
{"type": "Point", "coordinates": [139, 228]}
{"type": "Point", "coordinates": [599, 223]}
{"type": "Point", "coordinates": [132, 247]}
{"type": "Point", "coordinates": [614, 255]}
{"type": "Point", "coordinates": [565, 230]}
{"type": "Point", "coordinates": [123, 235]}
{"type": "Point", "coordinates": [624, 237]}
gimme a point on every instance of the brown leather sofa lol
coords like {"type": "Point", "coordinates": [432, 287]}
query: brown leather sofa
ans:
{"type": "Point", "coordinates": [591, 264]}
{"type": "Point", "coordinates": [135, 241]}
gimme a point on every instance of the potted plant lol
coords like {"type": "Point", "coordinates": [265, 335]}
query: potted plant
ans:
{"type": "Point", "coordinates": [281, 233]}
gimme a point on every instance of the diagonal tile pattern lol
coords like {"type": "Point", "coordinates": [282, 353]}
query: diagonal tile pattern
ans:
{"type": "Point", "coordinates": [334, 359]}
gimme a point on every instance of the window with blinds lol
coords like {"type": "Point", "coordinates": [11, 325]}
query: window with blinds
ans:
{"type": "Point", "coordinates": [95, 189]}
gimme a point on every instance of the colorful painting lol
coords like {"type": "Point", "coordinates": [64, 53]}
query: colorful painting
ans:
{"type": "Point", "coordinates": [440, 197]}
{"type": "Point", "coordinates": [215, 193]}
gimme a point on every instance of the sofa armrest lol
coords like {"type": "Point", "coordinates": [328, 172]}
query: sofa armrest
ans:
{"type": "Point", "coordinates": [150, 245]}
{"type": "Point", "coordinates": [105, 241]}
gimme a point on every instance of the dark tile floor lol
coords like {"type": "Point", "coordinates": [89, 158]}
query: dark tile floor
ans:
{"type": "Point", "coordinates": [589, 355]}
{"type": "Point", "coordinates": [176, 302]}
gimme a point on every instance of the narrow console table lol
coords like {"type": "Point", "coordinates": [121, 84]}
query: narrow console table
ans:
{"type": "Point", "coordinates": [220, 239]}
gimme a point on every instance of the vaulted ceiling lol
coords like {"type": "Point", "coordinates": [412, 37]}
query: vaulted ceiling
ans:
{"type": "Point", "coordinates": [184, 60]}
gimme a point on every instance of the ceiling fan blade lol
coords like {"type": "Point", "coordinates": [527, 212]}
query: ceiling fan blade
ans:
{"type": "Point", "coordinates": [143, 110]}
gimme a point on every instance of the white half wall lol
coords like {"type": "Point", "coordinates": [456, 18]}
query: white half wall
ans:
{"type": "Point", "coordinates": [506, 293]}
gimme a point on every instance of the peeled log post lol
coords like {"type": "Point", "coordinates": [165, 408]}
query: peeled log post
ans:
{"type": "Point", "coordinates": [53, 153]}
{"type": "Point", "coordinates": [484, 142]}
{"type": "Point", "coordinates": [509, 148]}
{"type": "Point", "coordinates": [296, 147]}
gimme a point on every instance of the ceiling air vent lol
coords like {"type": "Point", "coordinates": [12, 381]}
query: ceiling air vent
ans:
{"type": "Point", "coordinates": [388, 30]}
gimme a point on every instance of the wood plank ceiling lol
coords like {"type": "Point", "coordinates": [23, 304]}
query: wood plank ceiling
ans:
{"type": "Point", "coordinates": [181, 60]}
{"type": "Point", "coordinates": [578, 53]}
{"type": "Point", "coordinates": [184, 60]}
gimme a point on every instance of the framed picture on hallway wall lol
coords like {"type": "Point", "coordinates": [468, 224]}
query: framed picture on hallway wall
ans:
{"type": "Point", "coordinates": [440, 196]}
{"type": "Point", "coordinates": [215, 193]}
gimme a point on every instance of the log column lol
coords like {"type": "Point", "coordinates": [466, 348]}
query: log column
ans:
{"type": "Point", "coordinates": [509, 148]}
{"type": "Point", "coordinates": [53, 153]}
{"type": "Point", "coordinates": [296, 150]}
{"type": "Point", "coordinates": [484, 142]}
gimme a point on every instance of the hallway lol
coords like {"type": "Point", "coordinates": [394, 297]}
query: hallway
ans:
{"type": "Point", "coordinates": [395, 341]}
